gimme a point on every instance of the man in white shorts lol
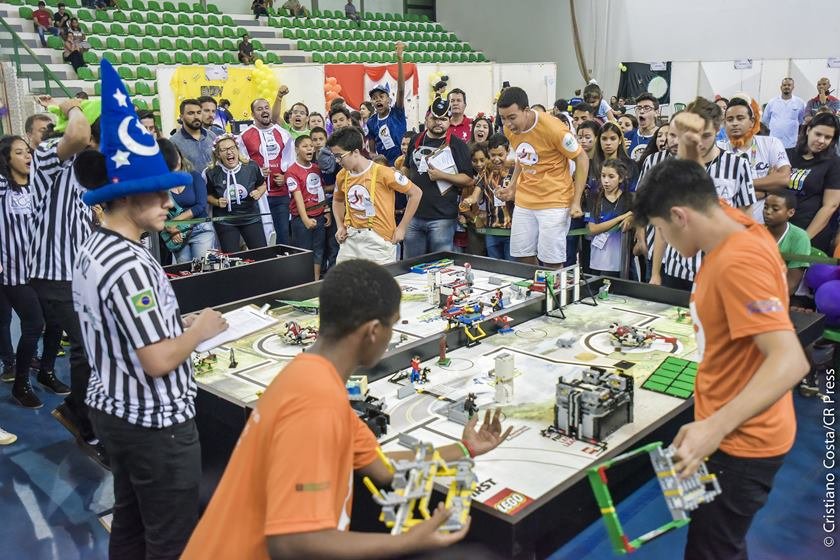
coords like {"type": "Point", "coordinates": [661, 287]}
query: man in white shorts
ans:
{"type": "Point", "coordinates": [544, 195]}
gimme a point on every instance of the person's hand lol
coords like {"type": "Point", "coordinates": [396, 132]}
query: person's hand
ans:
{"type": "Point", "coordinates": [341, 233]}
{"type": "Point", "coordinates": [222, 202]}
{"type": "Point", "coordinates": [69, 104]}
{"type": "Point", "coordinates": [188, 319]}
{"type": "Point", "coordinates": [465, 204]}
{"type": "Point", "coordinates": [400, 48]}
{"type": "Point", "coordinates": [256, 193]}
{"type": "Point", "coordinates": [655, 279]}
{"type": "Point", "coordinates": [689, 127]}
{"type": "Point", "coordinates": [488, 436]}
{"type": "Point", "coordinates": [282, 91]}
{"type": "Point", "coordinates": [779, 174]}
{"type": "Point", "coordinates": [425, 535]}
{"type": "Point", "coordinates": [399, 235]}
{"type": "Point", "coordinates": [265, 170]}
{"type": "Point", "coordinates": [694, 443]}
{"type": "Point", "coordinates": [505, 194]}
{"type": "Point", "coordinates": [640, 248]}
{"type": "Point", "coordinates": [627, 222]}
{"type": "Point", "coordinates": [177, 237]}
{"type": "Point", "coordinates": [208, 324]}
{"type": "Point", "coordinates": [434, 173]}
{"type": "Point", "coordinates": [172, 230]}
{"type": "Point", "coordinates": [279, 180]}
{"type": "Point", "coordinates": [309, 223]}
{"type": "Point", "coordinates": [45, 100]}
{"type": "Point", "coordinates": [575, 210]}
{"type": "Point", "coordinates": [327, 219]}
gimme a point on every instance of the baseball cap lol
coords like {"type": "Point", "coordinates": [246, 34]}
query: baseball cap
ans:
{"type": "Point", "coordinates": [380, 87]}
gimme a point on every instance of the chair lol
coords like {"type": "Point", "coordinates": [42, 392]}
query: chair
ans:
{"type": "Point", "coordinates": [168, 31]}
{"type": "Point", "coordinates": [154, 18]}
{"type": "Point", "coordinates": [199, 9]}
{"type": "Point", "coordinates": [111, 57]}
{"type": "Point", "coordinates": [94, 42]}
{"type": "Point", "coordinates": [273, 58]}
{"type": "Point", "coordinates": [227, 21]}
{"type": "Point", "coordinates": [154, 6]}
{"type": "Point", "coordinates": [213, 9]}
{"type": "Point", "coordinates": [136, 17]}
{"type": "Point", "coordinates": [197, 45]}
{"type": "Point", "coordinates": [182, 44]}
{"type": "Point", "coordinates": [213, 45]}
{"type": "Point", "coordinates": [142, 88]}
{"type": "Point", "coordinates": [145, 73]}
{"type": "Point", "coordinates": [184, 31]}
{"type": "Point", "coordinates": [185, 8]}
{"type": "Point", "coordinates": [214, 58]}
{"type": "Point", "coordinates": [127, 57]}
{"type": "Point", "coordinates": [165, 44]}
{"type": "Point", "coordinates": [229, 32]}
{"type": "Point", "coordinates": [138, 5]}
{"type": "Point", "coordinates": [215, 32]}
{"type": "Point", "coordinates": [97, 88]}
{"type": "Point", "coordinates": [140, 104]}
{"type": "Point", "coordinates": [181, 58]}
{"type": "Point", "coordinates": [169, 7]}
{"type": "Point", "coordinates": [184, 19]}
{"type": "Point", "coordinates": [229, 45]}
{"type": "Point", "coordinates": [116, 29]}
{"type": "Point", "coordinates": [258, 46]}
{"type": "Point", "coordinates": [90, 58]}
{"type": "Point", "coordinates": [125, 73]}
{"type": "Point", "coordinates": [135, 30]}
{"type": "Point", "coordinates": [163, 57]}
{"type": "Point", "coordinates": [318, 58]}
{"type": "Point", "coordinates": [103, 16]}
{"type": "Point", "coordinates": [86, 74]}
{"type": "Point", "coordinates": [99, 29]}
{"type": "Point", "coordinates": [54, 42]}
{"type": "Point", "coordinates": [199, 19]}
{"type": "Point", "coordinates": [230, 58]}
{"type": "Point", "coordinates": [146, 57]}
{"type": "Point", "coordinates": [120, 17]}
{"type": "Point", "coordinates": [149, 44]}
{"type": "Point", "coordinates": [131, 44]}
{"type": "Point", "coordinates": [214, 20]}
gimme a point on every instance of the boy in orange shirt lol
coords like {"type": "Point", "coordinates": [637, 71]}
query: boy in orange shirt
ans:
{"type": "Point", "coordinates": [363, 202]}
{"type": "Point", "coordinates": [287, 491]}
{"type": "Point", "coordinates": [749, 354]}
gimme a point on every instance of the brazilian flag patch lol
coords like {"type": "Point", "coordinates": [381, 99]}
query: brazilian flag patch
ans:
{"type": "Point", "coordinates": [142, 302]}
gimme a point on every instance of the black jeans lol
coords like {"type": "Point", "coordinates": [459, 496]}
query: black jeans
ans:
{"type": "Point", "coordinates": [7, 352]}
{"type": "Point", "coordinates": [676, 283]}
{"type": "Point", "coordinates": [718, 530]}
{"type": "Point", "coordinates": [56, 299]}
{"type": "Point", "coordinates": [24, 301]}
{"type": "Point", "coordinates": [156, 478]}
{"type": "Point", "coordinates": [253, 234]}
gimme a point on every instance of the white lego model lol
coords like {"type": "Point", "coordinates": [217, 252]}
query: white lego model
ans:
{"type": "Point", "coordinates": [504, 373]}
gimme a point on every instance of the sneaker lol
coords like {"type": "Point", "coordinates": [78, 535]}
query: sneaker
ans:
{"type": "Point", "coordinates": [50, 381]}
{"type": "Point", "coordinates": [8, 373]}
{"type": "Point", "coordinates": [25, 395]}
{"type": "Point", "coordinates": [36, 363]}
{"type": "Point", "coordinates": [6, 438]}
{"type": "Point", "coordinates": [96, 451]}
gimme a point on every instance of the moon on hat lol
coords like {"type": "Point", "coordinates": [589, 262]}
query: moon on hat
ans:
{"type": "Point", "coordinates": [133, 145]}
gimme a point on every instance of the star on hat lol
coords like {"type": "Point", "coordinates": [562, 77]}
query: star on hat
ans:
{"type": "Point", "coordinates": [132, 156]}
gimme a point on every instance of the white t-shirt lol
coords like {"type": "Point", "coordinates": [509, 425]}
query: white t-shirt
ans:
{"type": "Point", "coordinates": [763, 154]}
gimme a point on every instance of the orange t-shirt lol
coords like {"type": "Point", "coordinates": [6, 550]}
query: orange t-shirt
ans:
{"type": "Point", "coordinates": [741, 291]}
{"type": "Point", "coordinates": [354, 192]}
{"type": "Point", "coordinates": [543, 152]}
{"type": "Point", "coordinates": [292, 469]}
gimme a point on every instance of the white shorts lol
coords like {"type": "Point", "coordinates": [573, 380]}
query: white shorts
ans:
{"type": "Point", "coordinates": [366, 244]}
{"type": "Point", "coordinates": [541, 233]}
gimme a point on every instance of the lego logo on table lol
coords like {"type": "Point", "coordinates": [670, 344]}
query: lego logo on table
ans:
{"type": "Point", "coordinates": [509, 501]}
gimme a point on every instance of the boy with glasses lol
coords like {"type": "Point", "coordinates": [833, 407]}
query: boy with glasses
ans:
{"type": "Point", "coordinates": [646, 108]}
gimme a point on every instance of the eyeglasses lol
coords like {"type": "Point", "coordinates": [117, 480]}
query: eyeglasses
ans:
{"type": "Point", "coordinates": [644, 108]}
{"type": "Point", "coordinates": [228, 150]}
{"type": "Point", "coordinates": [339, 157]}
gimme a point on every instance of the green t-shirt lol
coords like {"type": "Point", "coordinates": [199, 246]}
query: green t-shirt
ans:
{"type": "Point", "coordinates": [293, 132]}
{"type": "Point", "coordinates": [795, 241]}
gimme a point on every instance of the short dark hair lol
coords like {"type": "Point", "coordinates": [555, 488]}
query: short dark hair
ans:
{"type": "Point", "coordinates": [302, 104]}
{"type": "Point", "coordinates": [299, 140]}
{"type": "Point", "coordinates": [337, 102]}
{"type": "Point", "coordinates": [170, 153]}
{"type": "Point", "coordinates": [789, 196]}
{"type": "Point", "coordinates": [410, 134]}
{"type": "Point", "coordinates": [345, 301]}
{"type": "Point", "coordinates": [709, 110]}
{"type": "Point", "coordinates": [207, 99]}
{"type": "Point", "coordinates": [41, 3]}
{"type": "Point", "coordinates": [318, 130]}
{"type": "Point", "coordinates": [585, 107]}
{"type": "Point", "coordinates": [592, 89]}
{"type": "Point", "coordinates": [513, 96]}
{"type": "Point", "coordinates": [343, 110]}
{"type": "Point", "coordinates": [457, 90]}
{"type": "Point", "coordinates": [674, 182]}
{"type": "Point", "coordinates": [369, 106]}
{"type": "Point", "coordinates": [633, 120]}
{"type": "Point", "coordinates": [186, 102]}
{"type": "Point", "coordinates": [592, 125]}
{"type": "Point", "coordinates": [498, 140]}
{"type": "Point", "coordinates": [347, 138]}
{"type": "Point", "coordinates": [740, 102]}
{"type": "Point", "coordinates": [145, 114]}
{"type": "Point", "coordinates": [476, 147]}
{"type": "Point", "coordinates": [61, 5]}
{"type": "Point", "coordinates": [648, 97]}
{"type": "Point", "coordinates": [30, 121]}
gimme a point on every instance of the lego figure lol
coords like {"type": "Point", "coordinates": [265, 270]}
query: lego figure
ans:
{"type": "Point", "coordinates": [415, 370]}
{"type": "Point", "coordinates": [442, 359]}
{"type": "Point", "coordinates": [470, 408]}
{"type": "Point", "coordinates": [424, 375]}
{"type": "Point", "coordinates": [232, 359]}
{"type": "Point", "coordinates": [469, 277]}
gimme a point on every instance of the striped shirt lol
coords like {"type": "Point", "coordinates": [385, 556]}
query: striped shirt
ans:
{"type": "Point", "coordinates": [60, 220]}
{"type": "Point", "coordinates": [732, 177]}
{"type": "Point", "coordinates": [125, 302]}
{"type": "Point", "coordinates": [15, 214]}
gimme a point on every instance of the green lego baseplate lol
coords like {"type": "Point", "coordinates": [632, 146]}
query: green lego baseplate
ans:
{"type": "Point", "coordinates": [674, 377]}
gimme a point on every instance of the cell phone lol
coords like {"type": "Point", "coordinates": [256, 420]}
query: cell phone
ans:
{"type": "Point", "coordinates": [505, 84]}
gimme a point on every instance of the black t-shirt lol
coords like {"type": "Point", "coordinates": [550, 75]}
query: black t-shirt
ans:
{"type": "Point", "coordinates": [434, 205]}
{"type": "Point", "coordinates": [809, 178]}
{"type": "Point", "coordinates": [248, 179]}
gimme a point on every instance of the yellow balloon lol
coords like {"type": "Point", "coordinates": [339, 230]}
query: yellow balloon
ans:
{"type": "Point", "coordinates": [258, 63]}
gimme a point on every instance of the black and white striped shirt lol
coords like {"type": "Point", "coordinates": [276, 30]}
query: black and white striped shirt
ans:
{"type": "Point", "coordinates": [15, 215]}
{"type": "Point", "coordinates": [732, 177]}
{"type": "Point", "coordinates": [124, 302]}
{"type": "Point", "coordinates": [61, 221]}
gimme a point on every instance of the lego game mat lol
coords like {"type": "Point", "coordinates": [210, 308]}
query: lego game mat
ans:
{"type": "Point", "coordinates": [260, 356]}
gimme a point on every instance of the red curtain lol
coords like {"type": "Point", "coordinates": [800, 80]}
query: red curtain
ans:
{"type": "Point", "coordinates": [351, 77]}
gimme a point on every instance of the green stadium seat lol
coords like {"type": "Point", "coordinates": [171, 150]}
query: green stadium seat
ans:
{"type": "Point", "coordinates": [85, 16]}
{"type": "Point", "coordinates": [213, 45]}
{"type": "Point", "coordinates": [304, 46]}
{"type": "Point", "coordinates": [135, 30]}
{"type": "Point", "coordinates": [86, 74]}
{"type": "Point", "coordinates": [170, 7]}
{"type": "Point", "coordinates": [273, 58]}
{"type": "Point", "coordinates": [163, 57]}
{"type": "Point", "coordinates": [184, 19]}
{"type": "Point", "coordinates": [138, 5]}
{"type": "Point", "coordinates": [99, 29]}
{"type": "Point", "coordinates": [318, 58]}
{"type": "Point", "coordinates": [473, 57]}
{"type": "Point", "coordinates": [111, 57]}
{"type": "Point", "coordinates": [184, 31]}
{"type": "Point", "coordinates": [90, 58]}
{"type": "Point", "coordinates": [330, 58]}
{"type": "Point", "coordinates": [140, 104]}
{"type": "Point", "coordinates": [185, 8]}
{"type": "Point", "coordinates": [130, 44]}
{"type": "Point", "coordinates": [168, 31]}
{"type": "Point", "coordinates": [341, 57]}
{"type": "Point", "coordinates": [199, 19]}
{"type": "Point", "coordinates": [117, 29]}
{"type": "Point", "coordinates": [154, 6]}
{"type": "Point", "coordinates": [227, 21]}
{"type": "Point", "coordinates": [258, 46]}
{"type": "Point", "coordinates": [214, 20]}
{"type": "Point", "coordinates": [103, 16]}
{"type": "Point", "coordinates": [136, 17]}
{"type": "Point", "coordinates": [146, 57]}
{"type": "Point", "coordinates": [95, 43]}
{"type": "Point", "coordinates": [214, 58]}
{"type": "Point", "coordinates": [229, 32]}
{"type": "Point", "coordinates": [153, 30]}
{"type": "Point", "coordinates": [230, 58]}
{"type": "Point", "coordinates": [354, 57]}
{"type": "Point", "coordinates": [215, 32]}
{"type": "Point", "coordinates": [143, 88]}
{"type": "Point", "coordinates": [181, 58]}
{"type": "Point", "coordinates": [125, 72]}
{"type": "Point", "coordinates": [120, 17]}
{"type": "Point", "coordinates": [481, 57]}
{"type": "Point", "coordinates": [182, 44]}
{"type": "Point", "coordinates": [149, 44]}
{"type": "Point", "coordinates": [154, 18]}
{"type": "Point", "coordinates": [54, 42]}
{"type": "Point", "coordinates": [127, 57]}
{"type": "Point", "coordinates": [156, 104]}
{"type": "Point", "coordinates": [97, 88]}
{"type": "Point", "coordinates": [199, 9]}
{"type": "Point", "coordinates": [197, 45]}
{"type": "Point", "coordinates": [229, 45]}
{"type": "Point", "coordinates": [213, 9]}
{"type": "Point", "coordinates": [289, 33]}
{"type": "Point", "coordinates": [166, 44]}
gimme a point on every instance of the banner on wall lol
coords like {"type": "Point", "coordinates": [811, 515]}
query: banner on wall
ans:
{"type": "Point", "coordinates": [235, 84]}
{"type": "Point", "coordinates": [639, 77]}
{"type": "Point", "coordinates": [356, 80]}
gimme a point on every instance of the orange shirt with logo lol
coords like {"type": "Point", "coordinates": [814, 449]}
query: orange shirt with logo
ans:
{"type": "Point", "coordinates": [543, 153]}
{"type": "Point", "coordinates": [354, 192]}
{"type": "Point", "coordinates": [741, 291]}
{"type": "Point", "coordinates": [292, 469]}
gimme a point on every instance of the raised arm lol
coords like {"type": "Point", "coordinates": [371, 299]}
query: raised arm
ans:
{"type": "Point", "coordinates": [400, 102]}
{"type": "Point", "coordinates": [277, 108]}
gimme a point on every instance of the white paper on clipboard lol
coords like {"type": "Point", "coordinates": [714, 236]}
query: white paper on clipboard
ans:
{"type": "Point", "coordinates": [443, 161]}
{"type": "Point", "coordinates": [241, 322]}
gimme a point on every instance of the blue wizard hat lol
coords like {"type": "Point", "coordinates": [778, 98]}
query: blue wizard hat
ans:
{"type": "Point", "coordinates": [132, 155]}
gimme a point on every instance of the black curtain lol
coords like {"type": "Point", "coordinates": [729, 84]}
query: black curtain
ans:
{"type": "Point", "coordinates": [635, 80]}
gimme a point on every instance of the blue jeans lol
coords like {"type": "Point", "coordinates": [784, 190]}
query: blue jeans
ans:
{"type": "Point", "coordinates": [279, 206]}
{"type": "Point", "coordinates": [498, 247]}
{"type": "Point", "coordinates": [429, 236]}
{"type": "Point", "coordinates": [40, 30]}
{"type": "Point", "coordinates": [202, 240]}
{"type": "Point", "coordinates": [313, 239]}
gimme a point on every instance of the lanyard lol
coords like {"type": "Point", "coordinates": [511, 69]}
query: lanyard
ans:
{"type": "Point", "coordinates": [374, 169]}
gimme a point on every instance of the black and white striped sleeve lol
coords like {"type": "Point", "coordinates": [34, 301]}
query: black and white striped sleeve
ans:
{"type": "Point", "coordinates": [134, 300]}
{"type": "Point", "coordinates": [45, 165]}
{"type": "Point", "coordinates": [745, 190]}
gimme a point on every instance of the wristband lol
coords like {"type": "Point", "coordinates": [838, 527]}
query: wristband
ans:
{"type": "Point", "coordinates": [466, 449]}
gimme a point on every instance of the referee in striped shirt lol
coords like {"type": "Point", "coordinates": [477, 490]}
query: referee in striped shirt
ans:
{"type": "Point", "coordinates": [60, 223]}
{"type": "Point", "coordinates": [142, 390]}
{"type": "Point", "coordinates": [732, 177]}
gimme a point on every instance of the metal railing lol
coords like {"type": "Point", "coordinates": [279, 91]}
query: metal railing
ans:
{"type": "Point", "coordinates": [47, 74]}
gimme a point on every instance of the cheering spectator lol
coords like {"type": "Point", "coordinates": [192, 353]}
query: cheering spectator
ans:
{"type": "Point", "coordinates": [351, 13]}
{"type": "Point", "coordinates": [316, 120]}
{"type": "Point", "coordinates": [36, 127]}
{"type": "Point", "coordinates": [43, 25]}
{"type": "Point", "coordinates": [481, 128]}
{"type": "Point", "coordinates": [246, 50]}
{"type": "Point", "coordinates": [388, 124]}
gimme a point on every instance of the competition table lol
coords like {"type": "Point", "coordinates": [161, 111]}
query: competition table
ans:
{"type": "Point", "coordinates": [532, 493]}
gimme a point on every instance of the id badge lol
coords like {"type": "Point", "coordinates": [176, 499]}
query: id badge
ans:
{"type": "Point", "coordinates": [370, 210]}
{"type": "Point", "coordinates": [600, 240]}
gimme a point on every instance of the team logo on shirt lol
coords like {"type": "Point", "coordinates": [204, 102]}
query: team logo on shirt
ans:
{"type": "Point", "coordinates": [570, 143]}
{"type": "Point", "coordinates": [357, 197]}
{"type": "Point", "coordinates": [526, 154]}
{"type": "Point", "coordinates": [400, 178]}
{"type": "Point", "coordinates": [637, 151]}
{"type": "Point", "coordinates": [772, 305]}
{"type": "Point", "coordinates": [292, 183]}
{"type": "Point", "coordinates": [797, 179]}
{"type": "Point", "coordinates": [235, 191]}
{"type": "Point", "coordinates": [313, 183]}
{"type": "Point", "coordinates": [142, 302]}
